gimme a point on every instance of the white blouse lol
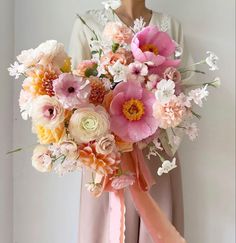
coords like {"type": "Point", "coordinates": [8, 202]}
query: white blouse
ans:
{"type": "Point", "coordinates": [96, 19]}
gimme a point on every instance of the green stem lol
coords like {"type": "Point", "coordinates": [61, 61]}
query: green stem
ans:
{"type": "Point", "coordinates": [191, 70]}
{"type": "Point", "coordinates": [84, 22]}
{"type": "Point", "coordinates": [196, 115]}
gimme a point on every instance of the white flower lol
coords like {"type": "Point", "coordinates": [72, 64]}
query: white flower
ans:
{"type": "Point", "coordinates": [216, 83]}
{"type": "Point", "coordinates": [178, 50]}
{"type": "Point", "coordinates": [157, 144]}
{"type": "Point", "coordinates": [113, 4]}
{"type": "Point", "coordinates": [192, 131]}
{"type": "Point", "coordinates": [67, 166]}
{"type": "Point", "coordinates": [47, 111]}
{"type": "Point", "coordinates": [197, 95]}
{"type": "Point", "coordinates": [41, 159]}
{"type": "Point", "coordinates": [106, 144]}
{"type": "Point", "coordinates": [211, 61]}
{"type": "Point", "coordinates": [118, 71]}
{"type": "Point", "coordinates": [16, 70]}
{"type": "Point", "coordinates": [25, 103]}
{"type": "Point", "coordinates": [184, 100]}
{"type": "Point", "coordinates": [48, 52]}
{"type": "Point", "coordinates": [137, 71]}
{"type": "Point", "coordinates": [89, 123]}
{"type": "Point", "coordinates": [167, 166]}
{"type": "Point", "coordinates": [165, 91]}
{"type": "Point", "coordinates": [139, 24]}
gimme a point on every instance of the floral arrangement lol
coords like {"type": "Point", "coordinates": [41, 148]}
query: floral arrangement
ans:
{"type": "Point", "coordinates": [110, 107]}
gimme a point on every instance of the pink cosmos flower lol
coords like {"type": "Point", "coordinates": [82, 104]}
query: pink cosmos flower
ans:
{"type": "Point", "coordinates": [132, 113]}
{"type": "Point", "coordinates": [154, 47]}
{"type": "Point", "coordinates": [70, 90]}
{"type": "Point", "coordinates": [138, 71]}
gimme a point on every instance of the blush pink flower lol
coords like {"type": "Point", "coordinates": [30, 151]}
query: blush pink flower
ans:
{"type": "Point", "coordinates": [174, 75]}
{"type": "Point", "coordinates": [170, 114]}
{"type": "Point", "coordinates": [118, 33]}
{"type": "Point", "coordinates": [70, 90]}
{"type": "Point", "coordinates": [83, 67]}
{"type": "Point", "coordinates": [132, 113]}
{"type": "Point", "coordinates": [154, 47]}
{"type": "Point", "coordinates": [123, 181]}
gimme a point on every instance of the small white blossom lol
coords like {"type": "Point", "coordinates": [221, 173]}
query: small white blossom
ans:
{"type": "Point", "coordinates": [139, 24]}
{"type": "Point", "coordinates": [216, 83]}
{"type": "Point", "coordinates": [197, 95]}
{"type": "Point", "coordinates": [192, 131]}
{"type": "Point", "coordinates": [211, 61]}
{"type": "Point", "coordinates": [165, 91]}
{"type": "Point", "coordinates": [178, 50]}
{"type": "Point", "coordinates": [118, 71]}
{"type": "Point", "coordinates": [113, 4]}
{"type": "Point", "coordinates": [157, 144]}
{"type": "Point", "coordinates": [16, 70]}
{"type": "Point", "coordinates": [184, 100]}
{"type": "Point", "coordinates": [167, 166]}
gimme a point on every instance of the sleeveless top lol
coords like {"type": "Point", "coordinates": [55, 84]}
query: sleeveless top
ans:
{"type": "Point", "coordinates": [79, 49]}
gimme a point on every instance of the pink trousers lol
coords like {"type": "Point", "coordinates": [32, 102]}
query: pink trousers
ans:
{"type": "Point", "coordinates": [94, 212]}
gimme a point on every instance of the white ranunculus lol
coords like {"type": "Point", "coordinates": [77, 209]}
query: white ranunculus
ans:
{"type": "Point", "coordinates": [41, 159]}
{"type": "Point", "coordinates": [89, 123]}
{"type": "Point", "coordinates": [47, 111]}
{"type": "Point", "coordinates": [165, 91]}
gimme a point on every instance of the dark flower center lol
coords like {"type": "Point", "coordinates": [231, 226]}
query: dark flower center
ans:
{"type": "Point", "coordinates": [71, 89]}
{"type": "Point", "coordinates": [50, 111]}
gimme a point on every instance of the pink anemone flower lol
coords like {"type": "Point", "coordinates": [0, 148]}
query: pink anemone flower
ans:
{"type": "Point", "coordinates": [154, 47]}
{"type": "Point", "coordinates": [132, 113]}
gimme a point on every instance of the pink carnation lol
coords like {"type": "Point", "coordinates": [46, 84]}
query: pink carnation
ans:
{"type": "Point", "coordinates": [170, 114]}
{"type": "Point", "coordinates": [154, 46]}
{"type": "Point", "coordinates": [131, 112]}
{"type": "Point", "coordinates": [83, 67]}
{"type": "Point", "coordinates": [118, 33]}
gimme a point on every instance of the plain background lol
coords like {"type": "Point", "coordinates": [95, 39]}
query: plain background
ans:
{"type": "Point", "coordinates": [46, 207]}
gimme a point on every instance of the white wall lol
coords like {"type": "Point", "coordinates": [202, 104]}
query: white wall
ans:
{"type": "Point", "coordinates": [6, 94]}
{"type": "Point", "coordinates": [46, 207]}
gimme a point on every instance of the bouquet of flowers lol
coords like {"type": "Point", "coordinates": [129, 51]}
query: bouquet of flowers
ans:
{"type": "Point", "coordinates": [101, 114]}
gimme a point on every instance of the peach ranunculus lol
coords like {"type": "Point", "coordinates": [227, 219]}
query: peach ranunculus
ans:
{"type": "Point", "coordinates": [41, 159]}
{"type": "Point", "coordinates": [48, 112]}
{"type": "Point", "coordinates": [48, 136]}
{"type": "Point", "coordinates": [89, 123]}
{"type": "Point", "coordinates": [106, 144]}
{"type": "Point", "coordinates": [83, 67]}
{"type": "Point", "coordinates": [101, 163]}
{"type": "Point", "coordinates": [118, 33]}
{"type": "Point", "coordinates": [170, 114]}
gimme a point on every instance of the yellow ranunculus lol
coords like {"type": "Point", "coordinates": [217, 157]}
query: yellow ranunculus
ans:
{"type": "Point", "coordinates": [47, 136]}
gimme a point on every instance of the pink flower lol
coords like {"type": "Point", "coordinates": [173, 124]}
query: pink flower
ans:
{"type": "Point", "coordinates": [70, 90]}
{"type": "Point", "coordinates": [131, 112]}
{"type": "Point", "coordinates": [138, 71]}
{"type": "Point", "coordinates": [174, 75]}
{"type": "Point", "coordinates": [170, 114]}
{"type": "Point", "coordinates": [153, 46]}
{"type": "Point", "coordinates": [118, 33]}
{"type": "Point", "coordinates": [83, 67]}
{"type": "Point", "coordinates": [123, 181]}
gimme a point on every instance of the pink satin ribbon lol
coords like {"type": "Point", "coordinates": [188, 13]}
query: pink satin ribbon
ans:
{"type": "Point", "coordinates": [157, 224]}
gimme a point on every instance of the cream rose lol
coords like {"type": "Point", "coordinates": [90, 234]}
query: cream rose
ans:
{"type": "Point", "coordinates": [89, 123]}
{"type": "Point", "coordinates": [41, 159]}
{"type": "Point", "coordinates": [47, 112]}
{"type": "Point", "coordinates": [106, 144]}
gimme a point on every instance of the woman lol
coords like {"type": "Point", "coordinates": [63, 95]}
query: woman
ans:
{"type": "Point", "coordinates": [167, 192]}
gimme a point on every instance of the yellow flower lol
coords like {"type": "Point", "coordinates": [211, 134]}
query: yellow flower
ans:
{"type": "Point", "coordinates": [66, 68]}
{"type": "Point", "coordinates": [47, 136]}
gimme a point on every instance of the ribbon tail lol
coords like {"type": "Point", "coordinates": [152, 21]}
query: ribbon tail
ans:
{"type": "Point", "coordinates": [158, 225]}
{"type": "Point", "coordinates": [117, 217]}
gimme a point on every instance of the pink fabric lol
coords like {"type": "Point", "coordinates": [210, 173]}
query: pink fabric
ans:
{"type": "Point", "coordinates": [94, 212]}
